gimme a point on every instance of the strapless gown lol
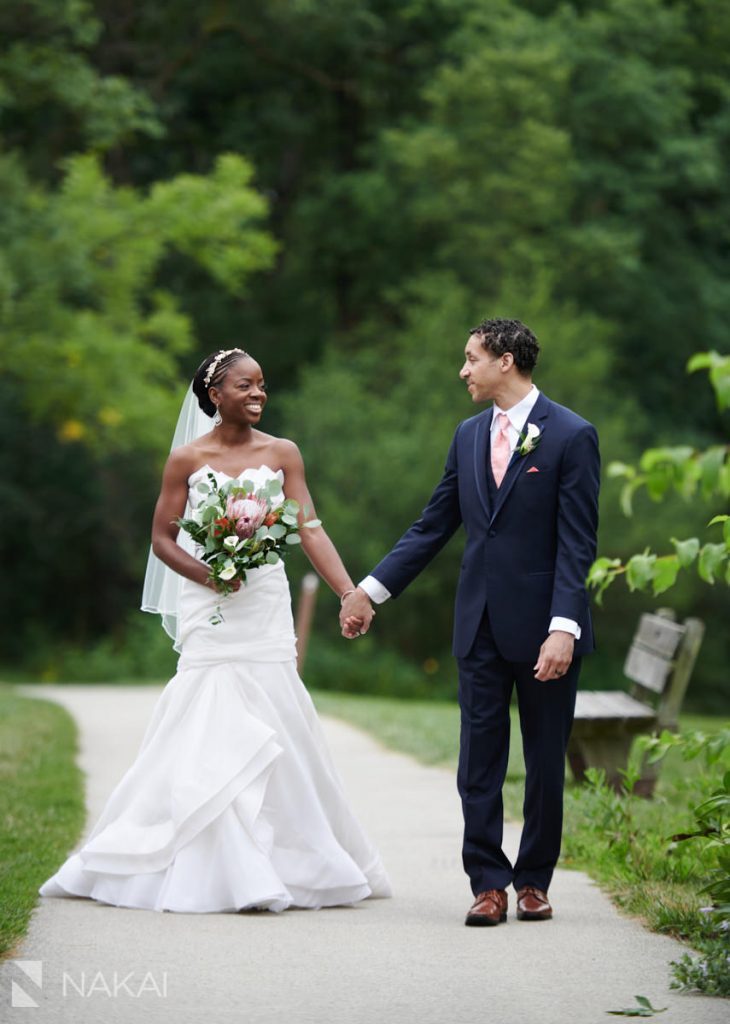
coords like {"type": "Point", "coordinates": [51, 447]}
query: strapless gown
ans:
{"type": "Point", "coordinates": [233, 801]}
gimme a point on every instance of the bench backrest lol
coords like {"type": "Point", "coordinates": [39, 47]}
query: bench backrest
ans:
{"type": "Point", "coordinates": [660, 663]}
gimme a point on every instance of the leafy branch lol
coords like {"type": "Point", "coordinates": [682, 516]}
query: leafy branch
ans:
{"type": "Point", "coordinates": [690, 473]}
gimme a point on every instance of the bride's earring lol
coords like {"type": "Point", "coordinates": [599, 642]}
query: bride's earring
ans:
{"type": "Point", "coordinates": [217, 419]}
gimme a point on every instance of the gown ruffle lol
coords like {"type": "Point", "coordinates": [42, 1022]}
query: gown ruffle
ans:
{"type": "Point", "coordinates": [233, 801]}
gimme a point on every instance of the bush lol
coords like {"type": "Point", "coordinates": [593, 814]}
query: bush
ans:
{"type": "Point", "coordinates": [140, 652]}
{"type": "Point", "coordinates": [361, 666]}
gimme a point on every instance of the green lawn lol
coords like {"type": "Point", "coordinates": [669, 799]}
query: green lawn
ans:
{"type": "Point", "coordinates": [41, 804]}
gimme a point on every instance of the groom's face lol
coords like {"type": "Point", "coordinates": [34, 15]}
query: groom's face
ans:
{"type": "Point", "coordinates": [481, 370]}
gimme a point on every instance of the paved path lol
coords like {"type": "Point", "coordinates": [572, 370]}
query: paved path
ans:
{"type": "Point", "coordinates": [399, 961]}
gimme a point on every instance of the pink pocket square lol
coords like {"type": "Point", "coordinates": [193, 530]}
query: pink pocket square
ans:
{"type": "Point", "coordinates": [533, 469]}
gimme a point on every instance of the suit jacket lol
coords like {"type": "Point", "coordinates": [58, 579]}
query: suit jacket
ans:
{"type": "Point", "coordinates": [527, 557]}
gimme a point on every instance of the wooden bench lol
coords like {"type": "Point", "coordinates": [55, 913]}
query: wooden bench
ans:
{"type": "Point", "coordinates": [659, 664]}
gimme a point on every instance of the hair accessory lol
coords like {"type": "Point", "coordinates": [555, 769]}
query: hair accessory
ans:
{"type": "Point", "coordinates": [219, 358]}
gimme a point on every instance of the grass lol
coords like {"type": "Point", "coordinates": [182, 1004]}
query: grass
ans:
{"type": "Point", "coordinates": [41, 804]}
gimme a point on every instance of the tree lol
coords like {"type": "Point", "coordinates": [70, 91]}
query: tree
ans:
{"type": "Point", "coordinates": [91, 340]}
{"type": "Point", "coordinates": [89, 337]}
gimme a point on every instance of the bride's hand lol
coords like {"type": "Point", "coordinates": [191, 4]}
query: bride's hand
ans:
{"type": "Point", "coordinates": [356, 614]}
{"type": "Point", "coordinates": [235, 586]}
{"type": "Point", "coordinates": [352, 627]}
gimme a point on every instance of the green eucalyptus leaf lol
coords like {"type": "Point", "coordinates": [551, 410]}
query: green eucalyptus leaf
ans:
{"type": "Point", "coordinates": [293, 538]}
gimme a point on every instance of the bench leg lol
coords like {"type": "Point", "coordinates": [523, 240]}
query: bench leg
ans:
{"type": "Point", "coordinates": [577, 762]}
{"type": "Point", "coordinates": [607, 751]}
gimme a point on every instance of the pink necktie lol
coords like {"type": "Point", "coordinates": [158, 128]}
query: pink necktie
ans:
{"type": "Point", "coordinates": [501, 451]}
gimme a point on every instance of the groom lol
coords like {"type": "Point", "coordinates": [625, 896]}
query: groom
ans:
{"type": "Point", "coordinates": [522, 477]}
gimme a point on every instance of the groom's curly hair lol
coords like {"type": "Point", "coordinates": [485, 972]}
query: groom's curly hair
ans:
{"type": "Point", "coordinates": [500, 336]}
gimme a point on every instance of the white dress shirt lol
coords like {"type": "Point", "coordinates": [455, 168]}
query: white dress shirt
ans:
{"type": "Point", "coordinates": [518, 415]}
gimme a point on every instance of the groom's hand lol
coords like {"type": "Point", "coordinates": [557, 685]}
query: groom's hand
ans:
{"type": "Point", "coordinates": [356, 614]}
{"type": "Point", "coordinates": [555, 656]}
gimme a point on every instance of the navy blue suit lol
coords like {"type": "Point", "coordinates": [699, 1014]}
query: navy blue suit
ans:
{"type": "Point", "coordinates": [529, 545]}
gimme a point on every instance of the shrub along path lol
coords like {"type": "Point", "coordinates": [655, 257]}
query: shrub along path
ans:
{"type": "Point", "coordinates": [408, 959]}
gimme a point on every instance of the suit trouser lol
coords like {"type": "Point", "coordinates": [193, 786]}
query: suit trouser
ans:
{"type": "Point", "coordinates": [546, 716]}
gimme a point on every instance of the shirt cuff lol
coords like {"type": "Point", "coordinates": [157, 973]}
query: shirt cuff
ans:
{"type": "Point", "coordinates": [565, 625]}
{"type": "Point", "coordinates": [374, 589]}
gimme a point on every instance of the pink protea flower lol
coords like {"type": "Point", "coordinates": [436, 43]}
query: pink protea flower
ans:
{"type": "Point", "coordinates": [247, 513]}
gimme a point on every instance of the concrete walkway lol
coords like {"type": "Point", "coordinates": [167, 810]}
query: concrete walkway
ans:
{"type": "Point", "coordinates": [399, 961]}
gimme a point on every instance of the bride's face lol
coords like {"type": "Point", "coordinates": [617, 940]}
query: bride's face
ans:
{"type": "Point", "coordinates": [241, 396]}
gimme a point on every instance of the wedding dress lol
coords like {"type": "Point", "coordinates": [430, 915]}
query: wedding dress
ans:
{"type": "Point", "coordinates": [233, 801]}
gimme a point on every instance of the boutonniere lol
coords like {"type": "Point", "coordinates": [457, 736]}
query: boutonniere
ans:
{"type": "Point", "coordinates": [529, 439]}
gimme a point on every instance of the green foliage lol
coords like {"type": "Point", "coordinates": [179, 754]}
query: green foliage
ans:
{"type": "Point", "coordinates": [425, 165]}
{"type": "Point", "coordinates": [692, 474]}
{"type": "Point", "coordinates": [79, 268]}
{"type": "Point", "coordinates": [367, 667]}
{"type": "Point", "coordinates": [638, 845]}
{"type": "Point", "coordinates": [53, 100]}
{"type": "Point", "coordinates": [138, 650]}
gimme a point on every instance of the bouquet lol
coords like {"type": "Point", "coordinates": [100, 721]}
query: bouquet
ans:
{"type": "Point", "coordinates": [238, 528]}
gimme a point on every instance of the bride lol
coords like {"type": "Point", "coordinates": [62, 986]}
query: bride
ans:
{"type": "Point", "coordinates": [233, 801]}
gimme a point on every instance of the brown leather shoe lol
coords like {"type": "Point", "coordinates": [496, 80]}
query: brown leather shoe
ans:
{"type": "Point", "coordinates": [488, 908]}
{"type": "Point", "coordinates": [533, 904]}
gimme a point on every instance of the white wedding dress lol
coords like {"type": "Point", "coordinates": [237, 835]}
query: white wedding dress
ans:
{"type": "Point", "coordinates": [233, 801]}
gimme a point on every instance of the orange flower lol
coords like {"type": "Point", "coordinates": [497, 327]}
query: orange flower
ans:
{"type": "Point", "coordinates": [220, 526]}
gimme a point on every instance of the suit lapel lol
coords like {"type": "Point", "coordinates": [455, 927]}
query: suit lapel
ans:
{"type": "Point", "coordinates": [518, 463]}
{"type": "Point", "coordinates": [481, 444]}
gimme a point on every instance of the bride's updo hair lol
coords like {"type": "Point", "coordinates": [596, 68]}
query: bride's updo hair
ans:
{"type": "Point", "coordinates": [211, 372]}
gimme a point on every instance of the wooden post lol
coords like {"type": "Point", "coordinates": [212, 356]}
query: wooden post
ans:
{"type": "Point", "coordinates": [305, 614]}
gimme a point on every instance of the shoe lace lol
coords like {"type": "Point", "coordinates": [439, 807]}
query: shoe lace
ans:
{"type": "Point", "coordinates": [493, 896]}
{"type": "Point", "coordinates": [532, 891]}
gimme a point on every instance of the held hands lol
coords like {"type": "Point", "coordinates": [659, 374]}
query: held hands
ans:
{"type": "Point", "coordinates": [356, 614]}
{"type": "Point", "coordinates": [555, 656]}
